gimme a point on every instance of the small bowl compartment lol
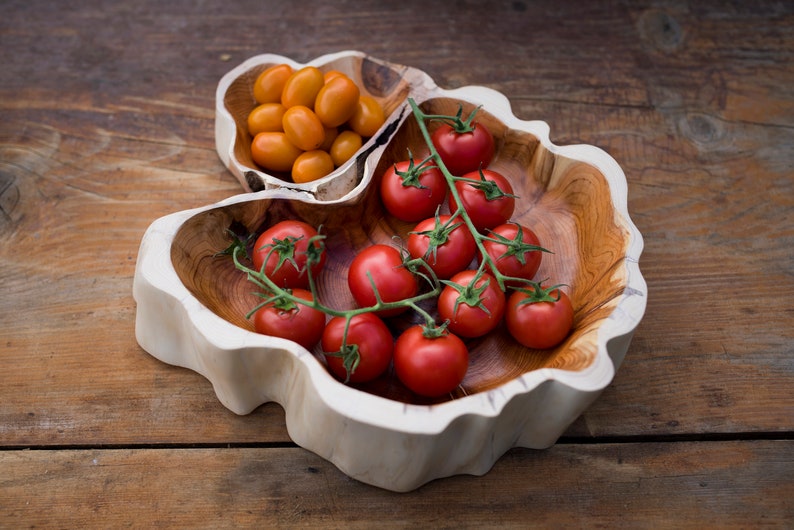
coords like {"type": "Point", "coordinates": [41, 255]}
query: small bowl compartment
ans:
{"type": "Point", "coordinates": [388, 83]}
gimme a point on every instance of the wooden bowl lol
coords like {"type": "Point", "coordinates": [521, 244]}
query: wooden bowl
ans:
{"type": "Point", "coordinates": [192, 306]}
{"type": "Point", "coordinates": [388, 83]}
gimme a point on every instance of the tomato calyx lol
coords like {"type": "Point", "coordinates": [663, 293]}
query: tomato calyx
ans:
{"type": "Point", "coordinates": [456, 122]}
{"type": "Point", "coordinates": [238, 245]}
{"type": "Point", "coordinates": [350, 356]}
{"type": "Point", "coordinates": [516, 247]}
{"type": "Point", "coordinates": [470, 294]}
{"type": "Point", "coordinates": [537, 293]}
{"type": "Point", "coordinates": [431, 330]}
{"type": "Point", "coordinates": [410, 177]}
{"type": "Point", "coordinates": [490, 189]}
{"type": "Point", "coordinates": [438, 235]}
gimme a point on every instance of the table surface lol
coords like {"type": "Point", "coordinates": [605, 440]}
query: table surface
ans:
{"type": "Point", "coordinates": [108, 124]}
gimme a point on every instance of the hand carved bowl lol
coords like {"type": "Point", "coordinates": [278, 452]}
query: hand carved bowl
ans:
{"type": "Point", "coordinates": [191, 305]}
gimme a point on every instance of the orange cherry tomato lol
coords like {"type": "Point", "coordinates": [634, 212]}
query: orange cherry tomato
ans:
{"type": "Point", "coordinates": [273, 151]}
{"type": "Point", "coordinates": [369, 116]}
{"type": "Point", "coordinates": [270, 83]}
{"type": "Point", "coordinates": [336, 101]}
{"type": "Point", "coordinates": [312, 165]}
{"type": "Point", "coordinates": [345, 146]}
{"type": "Point", "coordinates": [266, 117]}
{"type": "Point", "coordinates": [303, 128]}
{"type": "Point", "coordinates": [330, 74]}
{"type": "Point", "coordinates": [330, 135]}
{"type": "Point", "coordinates": [302, 87]}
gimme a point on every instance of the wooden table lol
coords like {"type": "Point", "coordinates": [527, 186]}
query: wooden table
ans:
{"type": "Point", "coordinates": [106, 124]}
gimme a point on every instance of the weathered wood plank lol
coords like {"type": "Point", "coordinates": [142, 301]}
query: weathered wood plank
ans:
{"type": "Point", "coordinates": [108, 126]}
{"type": "Point", "coordinates": [725, 485]}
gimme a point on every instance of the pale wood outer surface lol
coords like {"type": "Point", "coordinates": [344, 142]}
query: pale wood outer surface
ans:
{"type": "Point", "coordinates": [107, 124]}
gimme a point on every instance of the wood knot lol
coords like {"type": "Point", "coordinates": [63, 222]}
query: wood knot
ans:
{"type": "Point", "coordinates": [661, 30]}
{"type": "Point", "coordinates": [701, 129]}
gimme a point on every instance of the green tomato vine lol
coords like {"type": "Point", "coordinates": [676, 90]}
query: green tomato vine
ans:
{"type": "Point", "coordinates": [284, 298]}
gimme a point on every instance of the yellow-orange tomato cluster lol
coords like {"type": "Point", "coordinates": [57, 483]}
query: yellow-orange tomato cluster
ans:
{"type": "Point", "coordinates": [307, 123]}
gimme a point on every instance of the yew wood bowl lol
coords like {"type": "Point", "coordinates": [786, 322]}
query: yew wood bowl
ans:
{"type": "Point", "coordinates": [192, 306]}
{"type": "Point", "coordinates": [388, 83]}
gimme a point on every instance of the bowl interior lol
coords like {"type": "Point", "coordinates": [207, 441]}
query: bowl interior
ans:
{"type": "Point", "coordinates": [387, 83]}
{"type": "Point", "coordinates": [566, 202]}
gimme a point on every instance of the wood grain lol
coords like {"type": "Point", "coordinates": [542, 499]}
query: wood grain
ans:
{"type": "Point", "coordinates": [107, 124]}
{"type": "Point", "coordinates": [614, 486]}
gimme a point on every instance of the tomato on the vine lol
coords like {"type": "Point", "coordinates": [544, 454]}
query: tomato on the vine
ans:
{"type": "Point", "coordinates": [464, 152]}
{"type": "Point", "coordinates": [381, 265]}
{"type": "Point", "coordinates": [446, 245]}
{"type": "Point", "coordinates": [291, 320]}
{"type": "Point", "coordinates": [368, 347]}
{"type": "Point", "coordinates": [473, 305]}
{"type": "Point", "coordinates": [283, 252]}
{"type": "Point", "coordinates": [430, 366]}
{"type": "Point", "coordinates": [412, 192]}
{"type": "Point", "coordinates": [515, 251]}
{"type": "Point", "coordinates": [487, 196]}
{"type": "Point", "coordinates": [539, 317]}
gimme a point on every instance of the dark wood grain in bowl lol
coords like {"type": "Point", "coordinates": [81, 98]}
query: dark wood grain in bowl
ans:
{"type": "Point", "coordinates": [565, 201]}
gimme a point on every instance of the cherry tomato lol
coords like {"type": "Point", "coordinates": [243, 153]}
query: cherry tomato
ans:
{"type": "Point", "coordinates": [284, 251]}
{"type": "Point", "coordinates": [336, 101]}
{"type": "Point", "coordinates": [516, 253]}
{"type": "Point", "coordinates": [312, 165]}
{"type": "Point", "coordinates": [346, 144]}
{"type": "Point", "coordinates": [273, 151]}
{"type": "Point", "coordinates": [373, 350]}
{"type": "Point", "coordinates": [464, 152]}
{"type": "Point", "coordinates": [430, 367]}
{"type": "Point", "coordinates": [266, 118]}
{"type": "Point", "coordinates": [539, 318]}
{"type": "Point", "coordinates": [489, 203]}
{"type": "Point", "coordinates": [391, 278]}
{"type": "Point", "coordinates": [453, 246]}
{"type": "Point", "coordinates": [270, 83]}
{"type": "Point", "coordinates": [473, 308]}
{"type": "Point", "coordinates": [303, 128]}
{"type": "Point", "coordinates": [292, 320]}
{"type": "Point", "coordinates": [302, 86]}
{"type": "Point", "coordinates": [331, 133]}
{"type": "Point", "coordinates": [330, 74]}
{"type": "Point", "coordinates": [368, 117]}
{"type": "Point", "coordinates": [412, 192]}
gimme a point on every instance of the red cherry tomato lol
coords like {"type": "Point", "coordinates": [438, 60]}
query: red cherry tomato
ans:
{"type": "Point", "coordinates": [296, 322]}
{"type": "Point", "coordinates": [472, 308]}
{"type": "Point", "coordinates": [540, 318]}
{"type": "Point", "coordinates": [489, 202]}
{"type": "Point", "coordinates": [430, 367]}
{"type": "Point", "coordinates": [464, 152]}
{"type": "Point", "coordinates": [453, 246]}
{"type": "Point", "coordinates": [372, 353]}
{"type": "Point", "coordinates": [392, 279]}
{"type": "Point", "coordinates": [284, 251]}
{"type": "Point", "coordinates": [515, 251]}
{"type": "Point", "coordinates": [412, 192]}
